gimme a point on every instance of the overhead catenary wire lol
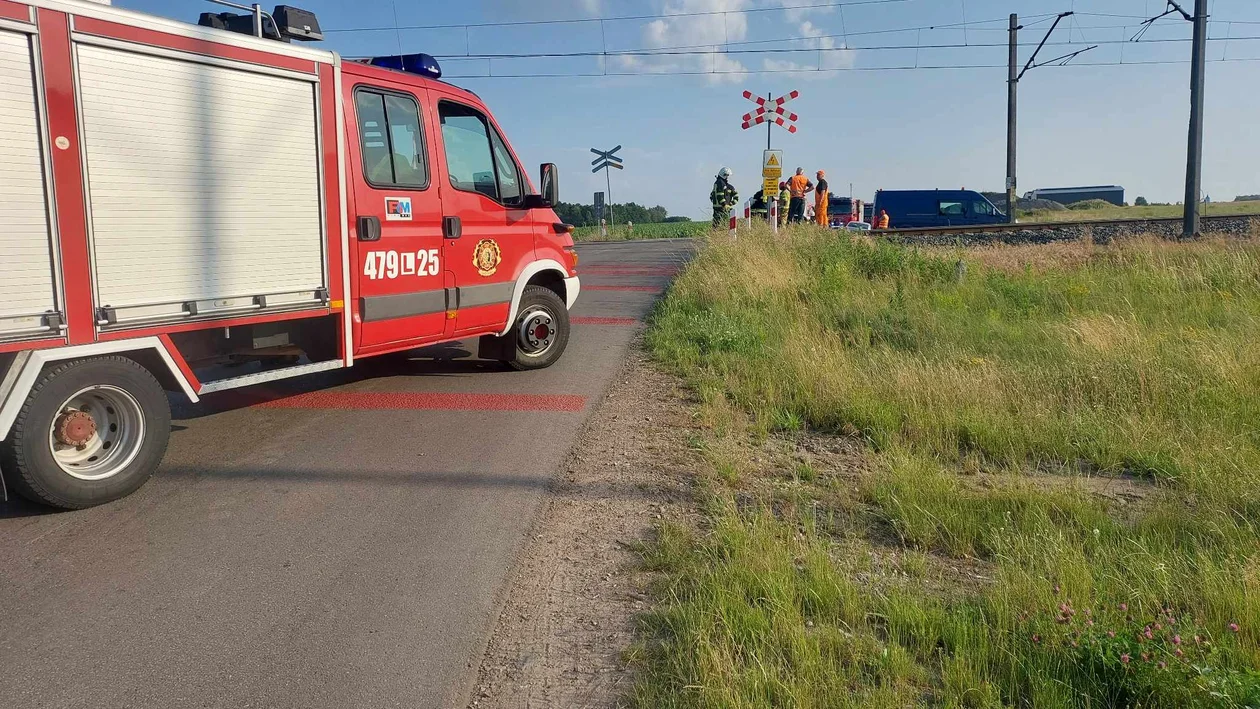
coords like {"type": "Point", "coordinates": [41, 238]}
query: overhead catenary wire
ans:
{"type": "Point", "coordinates": [622, 18]}
{"type": "Point", "coordinates": [712, 13]}
{"type": "Point", "coordinates": [706, 50]}
{"type": "Point", "coordinates": [814, 44]}
{"type": "Point", "coordinates": [827, 70]}
{"type": "Point", "coordinates": [734, 47]}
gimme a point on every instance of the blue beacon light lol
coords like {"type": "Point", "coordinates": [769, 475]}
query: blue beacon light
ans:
{"type": "Point", "coordinates": [421, 64]}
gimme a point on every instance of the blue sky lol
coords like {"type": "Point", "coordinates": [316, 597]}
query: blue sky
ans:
{"type": "Point", "coordinates": [1094, 122]}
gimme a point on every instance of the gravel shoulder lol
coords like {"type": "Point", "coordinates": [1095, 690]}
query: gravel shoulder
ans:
{"type": "Point", "coordinates": [569, 614]}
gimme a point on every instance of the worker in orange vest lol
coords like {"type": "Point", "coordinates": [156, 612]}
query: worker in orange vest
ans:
{"type": "Point", "coordinates": [799, 186]}
{"type": "Point", "coordinates": [883, 219]}
{"type": "Point", "coordinates": [822, 197]}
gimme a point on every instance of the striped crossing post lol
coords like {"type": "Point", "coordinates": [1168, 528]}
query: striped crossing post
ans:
{"type": "Point", "coordinates": [733, 223]}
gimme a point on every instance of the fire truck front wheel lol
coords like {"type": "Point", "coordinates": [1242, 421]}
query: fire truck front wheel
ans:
{"type": "Point", "coordinates": [541, 330]}
{"type": "Point", "coordinates": [91, 431]}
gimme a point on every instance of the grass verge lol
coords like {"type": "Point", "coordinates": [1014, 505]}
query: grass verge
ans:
{"type": "Point", "coordinates": [1076, 430]}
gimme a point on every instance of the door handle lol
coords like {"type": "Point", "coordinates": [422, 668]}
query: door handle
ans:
{"type": "Point", "coordinates": [369, 229]}
{"type": "Point", "coordinates": [452, 228]}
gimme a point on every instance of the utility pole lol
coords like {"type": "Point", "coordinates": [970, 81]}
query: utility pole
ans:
{"type": "Point", "coordinates": [1194, 152]}
{"type": "Point", "coordinates": [769, 98]}
{"type": "Point", "coordinates": [1012, 106]}
{"type": "Point", "coordinates": [612, 218]}
{"type": "Point", "coordinates": [1012, 94]}
{"type": "Point", "coordinates": [1198, 74]}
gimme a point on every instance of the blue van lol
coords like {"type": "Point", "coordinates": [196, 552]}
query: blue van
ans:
{"type": "Point", "coordinates": [912, 209]}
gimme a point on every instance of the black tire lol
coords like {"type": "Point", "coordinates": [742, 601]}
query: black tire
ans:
{"type": "Point", "coordinates": [28, 461]}
{"type": "Point", "coordinates": [539, 300]}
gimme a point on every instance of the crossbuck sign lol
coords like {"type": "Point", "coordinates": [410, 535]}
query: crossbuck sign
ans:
{"type": "Point", "coordinates": [606, 159]}
{"type": "Point", "coordinates": [771, 111]}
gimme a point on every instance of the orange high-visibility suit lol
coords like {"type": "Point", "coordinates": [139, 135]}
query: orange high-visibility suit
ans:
{"type": "Point", "coordinates": [883, 220]}
{"type": "Point", "coordinates": [822, 196]}
{"type": "Point", "coordinates": [798, 186]}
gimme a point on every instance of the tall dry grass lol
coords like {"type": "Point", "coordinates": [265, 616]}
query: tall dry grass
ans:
{"type": "Point", "coordinates": [1135, 361]}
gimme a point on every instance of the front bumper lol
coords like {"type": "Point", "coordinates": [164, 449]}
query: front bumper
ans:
{"type": "Point", "coordinates": [572, 286]}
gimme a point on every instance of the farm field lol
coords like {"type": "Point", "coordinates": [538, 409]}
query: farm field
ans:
{"type": "Point", "coordinates": [1011, 476]}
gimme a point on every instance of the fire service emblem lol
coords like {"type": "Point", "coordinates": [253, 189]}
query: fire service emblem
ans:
{"type": "Point", "coordinates": [486, 257]}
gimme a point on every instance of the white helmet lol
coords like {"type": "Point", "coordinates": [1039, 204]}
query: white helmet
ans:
{"type": "Point", "coordinates": [725, 173]}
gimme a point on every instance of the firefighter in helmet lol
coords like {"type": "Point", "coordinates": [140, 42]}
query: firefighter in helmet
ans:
{"type": "Point", "coordinates": [723, 198]}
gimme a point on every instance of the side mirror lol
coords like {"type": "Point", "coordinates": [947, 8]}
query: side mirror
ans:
{"type": "Point", "coordinates": [550, 183]}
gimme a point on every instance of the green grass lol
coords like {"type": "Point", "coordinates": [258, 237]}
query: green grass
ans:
{"type": "Point", "coordinates": [1167, 211]}
{"type": "Point", "coordinates": [663, 230]}
{"type": "Point", "coordinates": [998, 403]}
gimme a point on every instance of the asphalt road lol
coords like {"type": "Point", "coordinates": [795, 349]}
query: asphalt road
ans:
{"type": "Point", "coordinates": [341, 550]}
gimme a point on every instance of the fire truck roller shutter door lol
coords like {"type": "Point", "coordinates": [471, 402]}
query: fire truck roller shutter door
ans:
{"type": "Point", "coordinates": [225, 164]}
{"type": "Point", "coordinates": [26, 285]}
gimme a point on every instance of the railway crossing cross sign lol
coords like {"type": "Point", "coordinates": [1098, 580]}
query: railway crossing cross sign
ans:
{"type": "Point", "coordinates": [606, 159]}
{"type": "Point", "coordinates": [771, 112]}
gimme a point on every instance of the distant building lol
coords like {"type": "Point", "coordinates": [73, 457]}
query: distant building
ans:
{"type": "Point", "coordinates": [1070, 195]}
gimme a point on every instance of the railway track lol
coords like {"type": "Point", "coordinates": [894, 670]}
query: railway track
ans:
{"type": "Point", "coordinates": [1108, 228]}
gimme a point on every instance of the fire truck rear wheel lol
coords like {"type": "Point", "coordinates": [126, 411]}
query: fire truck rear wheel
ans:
{"type": "Point", "coordinates": [91, 431]}
{"type": "Point", "coordinates": [541, 330]}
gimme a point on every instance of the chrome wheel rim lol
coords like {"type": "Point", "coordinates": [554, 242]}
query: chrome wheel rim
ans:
{"type": "Point", "coordinates": [536, 332]}
{"type": "Point", "coordinates": [96, 433]}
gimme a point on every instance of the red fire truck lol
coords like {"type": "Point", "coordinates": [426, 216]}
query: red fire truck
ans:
{"type": "Point", "coordinates": [190, 209]}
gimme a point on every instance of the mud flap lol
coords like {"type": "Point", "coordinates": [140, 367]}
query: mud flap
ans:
{"type": "Point", "coordinates": [502, 348]}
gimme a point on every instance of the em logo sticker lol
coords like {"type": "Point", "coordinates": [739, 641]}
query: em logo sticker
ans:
{"type": "Point", "coordinates": [397, 209]}
{"type": "Point", "coordinates": [487, 257]}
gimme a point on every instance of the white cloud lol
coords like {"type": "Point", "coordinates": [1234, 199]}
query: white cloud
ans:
{"type": "Point", "coordinates": [831, 56]}
{"type": "Point", "coordinates": [808, 30]}
{"type": "Point", "coordinates": [699, 32]}
{"type": "Point", "coordinates": [796, 13]}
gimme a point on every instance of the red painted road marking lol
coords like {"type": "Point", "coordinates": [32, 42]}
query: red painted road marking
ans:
{"type": "Point", "coordinates": [604, 321]}
{"type": "Point", "coordinates": [638, 289]}
{"type": "Point", "coordinates": [367, 400]}
{"type": "Point", "coordinates": [631, 271]}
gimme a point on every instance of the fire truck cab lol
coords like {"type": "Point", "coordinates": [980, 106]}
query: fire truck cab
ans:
{"type": "Point", "coordinates": [191, 209]}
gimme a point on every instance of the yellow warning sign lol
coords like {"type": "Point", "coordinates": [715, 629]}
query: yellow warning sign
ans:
{"type": "Point", "coordinates": [770, 188]}
{"type": "Point", "coordinates": [772, 165]}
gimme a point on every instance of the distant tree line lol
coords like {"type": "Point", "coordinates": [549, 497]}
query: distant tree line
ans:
{"type": "Point", "coordinates": [585, 214]}
{"type": "Point", "coordinates": [1247, 198]}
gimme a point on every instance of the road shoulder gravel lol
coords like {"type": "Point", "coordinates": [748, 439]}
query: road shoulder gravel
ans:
{"type": "Point", "coordinates": [569, 613]}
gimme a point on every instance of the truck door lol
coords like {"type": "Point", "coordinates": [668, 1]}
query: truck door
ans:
{"type": "Point", "coordinates": [398, 214]}
{"type": "Point", "coordinates": [483, 200]}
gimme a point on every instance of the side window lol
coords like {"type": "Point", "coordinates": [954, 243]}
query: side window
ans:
{"type": "Point", "coordinates": [392, 140]}
{"type": "Point", "coordinates": [509, 180]}
{"type": "Point", "coordinates": [476, 158]}
{"type": "Point", "coordinates": [951, 209]}
{"type": "Point", "coordinates": [982, 208]}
